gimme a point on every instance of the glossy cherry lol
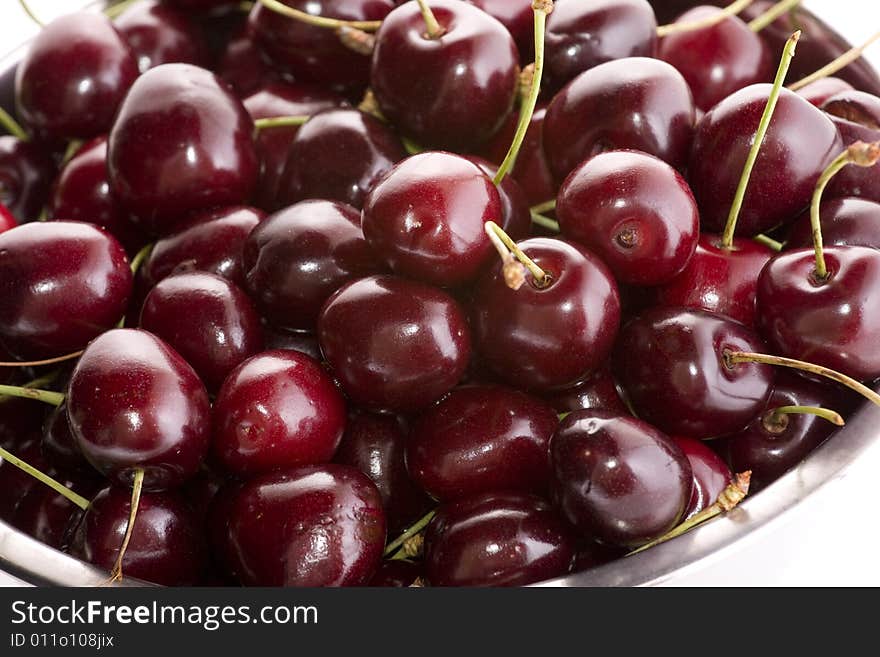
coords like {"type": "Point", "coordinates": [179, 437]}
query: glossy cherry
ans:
{"type": "Point", "coordinates": [61, 284]}
{"type": "Point", "coordinates": [277, 409]}
{"type": "Point", "coordinates": [635, 212]}
{"type": "Point", "coordinates": [597, 391]}
{"type": "Point", "coordinates": [857, 117]}
{"type": "Point", "coordinates": [15, 483]}
{"type": "Point", "coordinates": [159, 34]}
{"type": "Point", "coordinates": [481, 439]}
{"type": "Point", "coordinates": [618, 479]}
{"type": "Point", "coordinates": [315, 525]}
{"type": "Point", "coordinates": [822, 89]}
{"type": "Point", "coordinates": [394, 344]}
{"type": "Point", "coordinates": [207, 319]}
{"type": "Point", "coordinates": [497, 539]}
{"type": "Point", "coordinates": [21, 420]}
{"type": "Point", "coordinates": [518, 18]}
{"type": "Point", "coordinates": [7, 220]}
{"type": "Point", "coordinates": [58, 445]}
{"type": "Point", "coordinates": [453, 91]}
{"type": "Point", "coordinates": [670, 364]}
{"type": "Point", "coordinates": [27, 170]}
{"type": "Point", "coordinates": [243, 65]}
{"type": "Point", "coordinates": [48, 516]}
{"type": "Point", "coordinates": [711, 474]}
{"type": "Point", "coordinates": [548, 337]}
{"type": "Point", "coordinates": [133, 402]}
{"type": "Point", "coordinates": [338, 155]}
{"type": "Point", "coordinates": [181, 142]}
{"type": "Point", "coordinates": [845, 222]}
{"type": "Point", "coordinates": [516, 218]}
{"type": "Point", "coordinates": [307, 343]}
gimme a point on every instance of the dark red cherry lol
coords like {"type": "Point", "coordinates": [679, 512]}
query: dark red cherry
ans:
{"type": "Point", "coordinates": [282, 99]}
{"type": "Point", "coordinates": [205, 318]}
{"type": "Point", "coordinates": [275, 410]}
{"type": "Point", "coordinates": [516, 218]}
{"type": "Point", "coordinates": [7, 220]}
{"type": "Point", "coordinates": [787, 168]}
{"type": "Point", "coordinates": [61, 284]}
{"type": "Point", "coordinates": [517, 16]}
{"type": "Point", "coordinates": [480, 439]}
{"type": "Point", "coordinates": [181, 142]}
{"type": "Point", "coordinates": [21, 420]}
{"type": "Point", "coordinates": [451, 92]}
{"type": "Point", "coordinates": [307, 343]}
{"type": "Point", "coordinates": [618, 479]}
{"type": "Point", "coordinates": [826, 322]}
{"type": "Point", "coordinates": [299, 256]}
{"type": "Point", "coordinates": [73, 77]}
{"type": "Point", "coordinates": [719, 280]}
{"type": "Point", "coordinates": [315, 525]}
{"type": "Point", "coordinates": [633, 103]}
{"type": "Point", "coordinates": [397, 573]}
{"type": "Point", "coordinates": [497, 539]}
{"type": "Point", "coordinates": [822, 89]}
{"type": "Point", "coordinates": [670, 364]}
{"type": "Point", "coordinates": [338, 155]}
{"type": "Point", "coordinates": [244, 66]}
{"type": "Point", "coordinates": [548, 337]}
{"type": "Point", "coordinates": [166, 545]}
{"type": "Point", "coordinates": [857, 117]}
{"type": "Point", "coordinates": [133, 402]}
{"type": "Point", "coordinates": [48, 516]}
{"type": "Point", "coordinates": [58, 445]}
{"type": "Point", "coordinates": [82, 193]}
{"type": "Point", "coordinates": [718, 60]}
{"type": "Point", "coordinates": [598, 391]}
{"type": "Point", "coordinates": [581, 35]}
{"type": "Point", "coordinates": [26, 174]}
{"type": "Point", "coordinates": [375, 444]}
{"type": "Point", "coordinates": [15, 483]}
{"type": "Point", "coordinates": [394, 344]}
{"type": "Point", "coordinates": [426, 218]}
{"type": "Point", "coordinates": [211, 241]}
{"type": "Point", "coordinates": [159, 34]}
{"type": "Point", "coordinates": [845, 222]}
{"type": "Point", "coordinates": [634, 211]}
{"type": "Point", "coordinates": [711, 474]}
{"type": "Point", "coordinates": [316, 54]}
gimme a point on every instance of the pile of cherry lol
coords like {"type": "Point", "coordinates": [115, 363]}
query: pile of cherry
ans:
{"type": "Point", "coordinates": [425, 292]}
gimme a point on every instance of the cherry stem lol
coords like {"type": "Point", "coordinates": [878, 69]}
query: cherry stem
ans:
{"type": "Point", "coordinates": [728, 499]}
{"type": "Point", "coordinates": [40, 363]}
{"type": "Point", "coordinates": [119, 8]}
{"type": "Point", "coordinates": [860, 154]}
{"type": "Point", "coordinates": [541, 9]}
{"type": "Point", "coordinates": [765, 19]}
{"type": "Point", "coordinates": [116, 573]}
{"type": "Point", "coordinates": [512, 268]}
{"type": "Point", "coordinates": [410, 146]}
{"type": "Point", "coordinates": [843, 61]}
{"type": "Point", "coordinates": [763, 126]}
{"type": "Point", "coordinates": [356, 40]}
{"type": "Point", "coordinates": [54, 484]}
{"type": "Point", "coordinates": [12, 126]}
{"type": "Point", "coordinates": [545, 222]}
{"type": "Point", "coordinates": [732, 358]}
{"type": "Point", "coordinates": [433, 28]}
{"type": "Point", "coordinates": [140, 257]}
{"type": "Point", "coordinates": [31, 15]}
{"type": "Point", "coordinates": [318, 21]}
{"type": "Point", "coordinates": [47, 396]}
{"type": "Point", "coordinates": [692, 26]}
{"type": "Point", "coordinates": [776, 415]}
{"type": "Point", "coordinates": [769, 242]}
{"type": "Point", "coordinates": [72, 147]}
{"type": "Point", "coordinates": [279, 122]}
{"type": "Point", "coordinates": [39, 382]}
{"type": "Point", "coordinates": [546, 206]}
{"type": "Point", "coordinates": [411, 531]}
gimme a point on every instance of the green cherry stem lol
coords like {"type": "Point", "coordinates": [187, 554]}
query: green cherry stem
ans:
{"type": "Point", "coordinates": [318, 21]}
{"type": "Point", "coordinates": [411, 531]}
{"type": "Point", "coordinates": [769, 242]}
{"type": "Point", "coordinates": [691, 26]}
{"type": "Point", "coordinates": [843, 61]}
{"type": "Point", "coordinates": [763, 126]}
{"type": "Point", "coordinates": [12, 126]}
{"type": "Point", "coordinates": [140, 257]}
{"type": "Point", "coordinates": [546, 206]}
{"type": "Point", "coordinates": [541, 9]}
{"type": "Point", "coordinates": [31, 15]}
{"type": "Point", "coordinates": [118, 8]}
{"type": "Point", "coordinates": [46, 396]}
{"type": "Point", "coordinates": [433, 29]}
{"type": "Point", "coordinates": [860, 154]}
{"type": "Point", "coordinates": [137, 486]}
{"type": "Point", "coordinates": [765, 19]}
{"type": "Point", "coordinates": [514, 259]}
{"type": "Point", "coordinates": [776, 420]}
{"type": "Point", "coordinates": [279, 122]}
{"type": "Point", "coordinates": [41, 363]}
{"type": "Point", "coordinates": [54, 484]}
{"type": "Point", "coordinates": [545, 222]}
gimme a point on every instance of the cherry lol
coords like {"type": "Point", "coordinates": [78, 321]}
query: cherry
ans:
{"type": "Point", "coordinates": [633, 210]}
{"type": "Point", "coordinates": [551, 333]}
{"type": "Point", "coordinates": [15, 483]}
{"type": "Point", "coordinates": [281, 99]}
{"type": "Point", "coordinates": [845, 222]}
{"type": "Point", "coordinates": [317, 54]}
{"type": "Point", "coordinates": [48, 516]}
{"type": "Point", "coordinates": [516, 218]}
{"type": "Point", "coordinates": [670, 363]}
{"type": "Point", "coordinates": [787, 168]}
{"type": "Point", "coordinates": [857, 117]}
{"type": "Point", "coordinates": [58, 445]}
{"type": "Point", "coordinates": [618, 479]}
{"type": "Point", "coordinates": [135, 404]}
{"type": "Point", "coordinates": [21, 420]}
{"type": "Point", "coordinates": [275, 410]}
{"type": "Point", "coordinates": [632, 103]}
{"type": "Point", "coordinates": [7, 220]}
{"type": "Point", "coordinates": [451, 91]}
{"type": "Point", "coordinates": [73, 77]}
{"type": "Point", "coordinates": [583, 35]}
{"type": "Point", "coordinates": [425, 218]}
{"type": "Point", "coordinates": [397, 573]}
{"type": "Point", "coordinates": [180, 142]}
{"type": "Point", "coordinates": [207, 319]}
{"type": "Point", "coordinates": [338, 155]}
{"type": "Point", "coordinates": [481, 439]}
{"type": "Point", "coordinates": [375, 445]}
{"type": "Point", "coordinates": [719, 280]}
{"type": "Point", "coordinates": [597, 391]}
{"type": "Point", "coordinates": [159, 34]}
{"type": "Point", "coordinates": [211, 241]}
{"type": "Point", "coordinates": [166, 546]}
{"type": "Point", "coordinates": [394, 344]}
{"type": "Point", "coordinates": [306, 343]}
{"type": "Point", "coordinates": [315, 525]}
{"type": "Point", "coordinates": [244, 66]}
{"type": "Point", "coordinates": [61, 284]}
{"type": "Point", "coordinates": [26, 173]}
{"type": "Point", "coordinates": [718, 60]}
{"type": "Point", "coordinates": [297, 258]}
{"type": "Point", "coordinates": [497, 539]}
{"type": "Point", "coordinates": [516, 16]}
{"type": "Point", "coordinates": [822, 89]}
{"type": "Point", "coordinates": [711, 474]}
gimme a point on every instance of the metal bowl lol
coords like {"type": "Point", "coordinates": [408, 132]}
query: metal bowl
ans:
{"type": "Point", "coordinates": [813, 526]}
